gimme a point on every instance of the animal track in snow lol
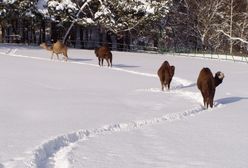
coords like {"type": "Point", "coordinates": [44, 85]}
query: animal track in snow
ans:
{"type": "Point", "coordinates": [45, 155]}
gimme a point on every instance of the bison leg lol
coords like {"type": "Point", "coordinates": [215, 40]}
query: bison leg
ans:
{"type": "Point", "coordinates": [208, 102]}
{"type": "Point", "coordinates": [65, 56]}
{"type": "Point", "coordinates": [57, 56]}
{"type": "Point", "coordinates": [211, 99]}
{"type": "Point", "coordinates": [211, 103]}
{"type": "Point", "coordinates": [52, 56]}
{"type": "Point", "coordinates": [169, 84]}
{"type": "Point", "coordinates": [166, 84]}
{"type": "Point", "coordinates": [205, 103]}
{"type": "Point", "coordinates": [99, 60]}
{"type": "Point", "coordinates": [204, 99]}
{"type": "Point", "coordinates": [162, 85]}
{"type": "Point", "coordinates": [108, 62]}
{"type": "Point", "coordinates": [102, 61]}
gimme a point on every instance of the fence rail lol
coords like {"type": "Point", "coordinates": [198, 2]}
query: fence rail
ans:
{"type": "Point", "coordinates": [151, 49]}
{"type": "Point", "coordinates": [214, 56]}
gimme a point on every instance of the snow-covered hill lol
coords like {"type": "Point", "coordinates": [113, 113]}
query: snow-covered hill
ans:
{"type": "Point", "coordinates": [77, 114]}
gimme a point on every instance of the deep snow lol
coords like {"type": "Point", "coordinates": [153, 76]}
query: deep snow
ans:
{"type": "Point", "coordinates": [77, 114]}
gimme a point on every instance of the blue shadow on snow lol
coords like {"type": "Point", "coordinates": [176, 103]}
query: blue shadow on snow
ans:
{"type": "Point", "coordinates": [79, 59]}
{"type": "Point", "coordinates": [229, 100]}
{"type": "Point", "coordinates": [125, 66]}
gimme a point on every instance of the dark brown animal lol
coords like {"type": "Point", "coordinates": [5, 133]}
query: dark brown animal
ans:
{"type": "Point", "coordinates": [57, 48]}
{"type": "Point", "coordinates": [206, 83]}
{"type": "Point", "coordinates": [104, 53]}
{"type": "Point", "coordinates": [165, 74]}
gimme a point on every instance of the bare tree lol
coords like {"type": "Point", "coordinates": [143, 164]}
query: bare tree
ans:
{"type": "Point", "coordinates": [207, 15]}
{"type": "Point", "coordinates": [234, 25]}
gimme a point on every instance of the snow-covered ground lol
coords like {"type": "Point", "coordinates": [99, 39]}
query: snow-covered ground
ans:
{"type": "Point", "coordinates": [77, 114]}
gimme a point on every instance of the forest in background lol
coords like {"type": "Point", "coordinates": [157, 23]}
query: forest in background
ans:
{"type": "Point", "coordinates": [179, 25]}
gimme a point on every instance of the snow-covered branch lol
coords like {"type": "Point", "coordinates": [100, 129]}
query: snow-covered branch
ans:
{"type": "Point", "coordinates": [233, 38]}
{"type": "Point", "coordinates": [75, 20]}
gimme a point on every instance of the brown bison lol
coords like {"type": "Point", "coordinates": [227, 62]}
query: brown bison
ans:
{"type": "Point", "coordinates": [57, 48]}
{"type": "Point", "coordinates": [206, 83]}
{"type": "Point", "coordinates": [165, 74]}
{"type": "Point", "coordinates": [104, 53]}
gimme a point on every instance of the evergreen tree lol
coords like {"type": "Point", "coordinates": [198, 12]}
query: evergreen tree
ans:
{"type": "Point", "coordinates": [62, 10]}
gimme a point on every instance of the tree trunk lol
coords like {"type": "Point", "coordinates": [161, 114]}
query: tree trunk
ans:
{"type": "Point", "coordinates": [231, 22]}
{"type": "Point", "coordinates": [1, 33]}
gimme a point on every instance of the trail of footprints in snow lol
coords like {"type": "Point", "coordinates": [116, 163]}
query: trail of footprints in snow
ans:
{"type": "Point", "coordinates": [43, 153]}
{"type": "Point", "coordinates": [49, 149]}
